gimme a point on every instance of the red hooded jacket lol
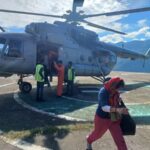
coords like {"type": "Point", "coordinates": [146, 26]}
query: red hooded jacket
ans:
{"type": "Point", "coordinates": [108, 96]}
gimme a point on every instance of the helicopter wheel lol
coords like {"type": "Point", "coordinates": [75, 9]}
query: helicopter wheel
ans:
{"type": "Point", "coordinates": [25, 87]}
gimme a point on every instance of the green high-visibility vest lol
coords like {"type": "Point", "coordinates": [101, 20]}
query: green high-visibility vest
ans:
{"type": "Point", "coordinates": [37, 73]}
{"type": "Point", "coordinates": [71, 74]}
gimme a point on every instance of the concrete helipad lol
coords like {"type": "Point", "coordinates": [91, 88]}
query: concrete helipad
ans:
{"type": "Point", "coordinates": [14, 118]}
{"type": "Point", "coordinates": [84, 108]}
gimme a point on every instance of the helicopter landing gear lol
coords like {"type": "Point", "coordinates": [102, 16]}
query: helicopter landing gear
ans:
{"type": "Point", "coordinates": [25, 87]}
{"type": "Point", "coordinates": [101, 79]}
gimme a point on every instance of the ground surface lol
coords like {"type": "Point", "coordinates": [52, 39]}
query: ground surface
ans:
{"type": "Point", "coordinates": [16, 119]}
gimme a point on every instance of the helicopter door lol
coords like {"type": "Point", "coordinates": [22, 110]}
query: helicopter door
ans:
{"type": "Point", "coordinates": [48, 54]}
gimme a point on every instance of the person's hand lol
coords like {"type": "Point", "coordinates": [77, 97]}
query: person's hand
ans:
{"type": "Point", "coordinates": [122, 110]}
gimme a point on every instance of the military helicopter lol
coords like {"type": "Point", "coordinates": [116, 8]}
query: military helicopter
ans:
{"type": "Point", "coordinates": [66, 41]}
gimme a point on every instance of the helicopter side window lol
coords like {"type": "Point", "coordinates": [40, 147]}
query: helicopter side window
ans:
{"type": "Point", "coordinates": [13, 48]}
{"type": "Point", "coordinates": [2, 44]}
{"type": "Point", "coordinates": [82, 58]}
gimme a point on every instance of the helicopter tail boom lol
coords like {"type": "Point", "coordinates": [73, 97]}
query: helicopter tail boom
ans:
{"type": "Point", "coordinates": [147, 54]}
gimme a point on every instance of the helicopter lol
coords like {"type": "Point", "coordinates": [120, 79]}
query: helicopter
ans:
{"type": "Point", "coordinates": [66, 41]}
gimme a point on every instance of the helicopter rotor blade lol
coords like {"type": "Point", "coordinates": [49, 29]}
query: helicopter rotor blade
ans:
{"type": "Point", "coordinates": [30, 13]}
{"type": "Point", "coordinates": [119, 12]}
{"type": "Point", "coordinates": [102, 27]}
{"type": "Point", "coordinates": [2, 29]}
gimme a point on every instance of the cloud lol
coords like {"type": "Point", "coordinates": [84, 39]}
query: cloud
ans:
{"type": "Point", "coordinates": [119, 26]}
{"type": "Point", "coordinates": [147, 34]}
{"type": "Point", "coordinates": [115, 38]}
{"type": "Point", "coordinates": [137, 3]}
{"type": "Point", "coordinates": [19, 20]}
{"type": "Point", "coordinates": [141, 31]}
{"type": "Point", "coordinates": [112, 38]}
{"type": "Point", "coordinates": [142, 39]}
{"type": "Point", "coordinates": [57, 7]}
{"type": "Point", "coordinates": [142, 23]}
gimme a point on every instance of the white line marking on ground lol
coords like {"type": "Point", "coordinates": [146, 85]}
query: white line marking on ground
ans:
{"type": "Point", "coordinates": [7, 84]}
{"type": "Point", "coordinates": [21, 102]}
{"type": "Point", "coordinates": [22, 144]}
{"type": "Point", "coordinates": [75, 99]}
{"type": "Point", "coordinates": [96, 91]}
{"type": "Point", "coordinates": [143, 103]}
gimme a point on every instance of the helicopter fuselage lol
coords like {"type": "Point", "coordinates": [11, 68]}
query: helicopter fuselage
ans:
{"type": "Point", "coordinates": [20, 51]}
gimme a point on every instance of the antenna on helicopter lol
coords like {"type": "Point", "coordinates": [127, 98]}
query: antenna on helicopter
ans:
{"type": "Point", "coordinates": [77, 3]}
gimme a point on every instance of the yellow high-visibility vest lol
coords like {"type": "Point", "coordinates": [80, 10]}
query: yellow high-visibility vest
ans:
{"type": "Point", "coordinates": [71, 74]}
{"type": "Point", "coordinates": [37, 73]}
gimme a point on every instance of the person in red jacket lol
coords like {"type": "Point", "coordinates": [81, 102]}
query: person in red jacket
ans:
{"type": "Point", "coordinates": [60, 69]}
{"type": "Point", "coordinates": [108, 114]}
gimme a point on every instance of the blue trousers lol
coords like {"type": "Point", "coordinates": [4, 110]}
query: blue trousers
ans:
{"type": "Point", "coordinates": [70, 86]}
{"type": "Point", "coordinates": [39, 91]}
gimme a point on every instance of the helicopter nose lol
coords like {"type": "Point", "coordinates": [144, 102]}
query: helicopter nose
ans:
{"type": "Point", "coordinates": [107, 62]}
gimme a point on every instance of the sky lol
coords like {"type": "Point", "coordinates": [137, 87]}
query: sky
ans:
{"type": "Point", "coordinates": [137, 25]}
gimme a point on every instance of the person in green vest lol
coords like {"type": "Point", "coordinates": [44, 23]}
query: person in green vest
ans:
{"type": "Point", "coordinates": [70, 79]}
{"type": "Point", "coordinates": [39, 77]}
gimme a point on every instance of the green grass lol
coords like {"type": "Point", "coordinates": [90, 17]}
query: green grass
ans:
{"type": "Point", "coordinates": [48, 130]}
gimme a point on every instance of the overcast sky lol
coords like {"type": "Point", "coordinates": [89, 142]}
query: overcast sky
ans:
{"type": "Point", "coordinates": [136, 25]}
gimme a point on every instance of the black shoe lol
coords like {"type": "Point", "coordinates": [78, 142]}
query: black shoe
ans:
{"type": "Point", "coordinates": [89, 146]}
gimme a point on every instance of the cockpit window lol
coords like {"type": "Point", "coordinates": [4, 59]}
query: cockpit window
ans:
{"type": "Point", "coordinates": [13, 48]}
{"type": "Point", "coordinates": [2, 43]}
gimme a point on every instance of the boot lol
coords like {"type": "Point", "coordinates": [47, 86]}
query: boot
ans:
{"type": "Point", "coordinates": [89, 146]}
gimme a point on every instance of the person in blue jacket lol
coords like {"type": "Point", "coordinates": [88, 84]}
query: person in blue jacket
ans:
{"type": "Point", "coordinates": [108, 114]}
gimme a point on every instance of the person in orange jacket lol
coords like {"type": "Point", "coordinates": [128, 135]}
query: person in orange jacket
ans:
{"type": "Point", "coordinates": [60, 69]}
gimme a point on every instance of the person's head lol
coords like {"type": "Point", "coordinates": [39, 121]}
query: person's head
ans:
{"type": "Point", "coordinates": [120, 84]}
{"type": "Point", "coordinates": [40, 61]}
{"type": "Point", "coordinates": [115, 84]}
{"type": "Point", "coordinates": [70, 64]}
{"type": "Point", "coordinates": [59, 62]}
